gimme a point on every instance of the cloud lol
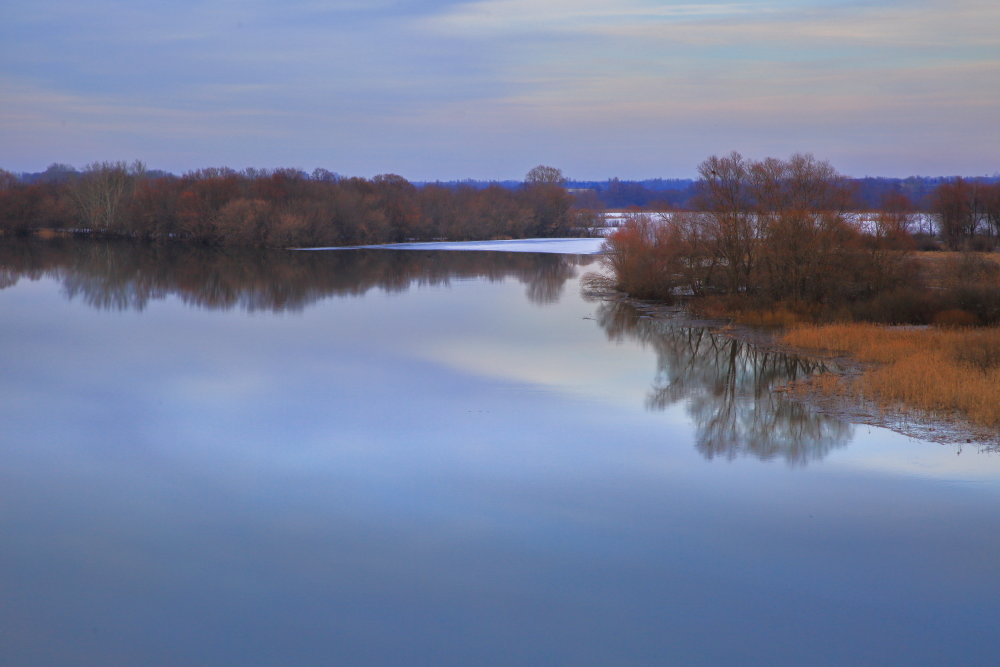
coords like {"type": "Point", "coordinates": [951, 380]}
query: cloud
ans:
{"type": "Point", "coordinates": [955, 27]}
{"type": "Point", "coordinates": [519, 16]}
{"type": "Point", "coordinates": [42, 109]}
{"type": "Point", "coordinates": [888, 21]}
{"type": "Point", "coordinates": [415, 86]}
{"type": "Point", "coordinates": [590, 65]}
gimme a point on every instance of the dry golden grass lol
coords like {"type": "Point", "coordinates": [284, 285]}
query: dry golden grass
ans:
{"type": "Point", "coordinates": [769, 318]}
{"type": "Point", "coordinates": [936, 370]}
{"type": "Point", "coordinates": [774, 316]}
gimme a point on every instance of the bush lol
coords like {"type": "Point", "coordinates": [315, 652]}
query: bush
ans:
{"type": "Point", "coordinates": [926, 242]}
{"type": "Point", "coordinates": [983, 301]}
{"type": "Point", "coordinates": [954, 318]}
{"type": "Point", "coordinates": [980, 243]}
{"type": "Point", "coordinates": [904, 305]}
{"type": "Point", "coordinates": [643, 256]}
{"type": "Point", "coordinates": [968, 267]}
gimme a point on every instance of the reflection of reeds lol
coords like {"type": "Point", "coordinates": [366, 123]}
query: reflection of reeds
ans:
{"type": "Point", "coordinates": [935, 370]}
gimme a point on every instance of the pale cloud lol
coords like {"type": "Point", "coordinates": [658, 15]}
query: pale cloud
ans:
{"type": "Point", "coordinates": [956, 25]}
{"type": "Point", "coordinates": [488, 88]}
{"type": "Point", "coordinates": [712, 51]}
{"type": "Point", "coordinates": [499, 16]}
{"type": "Point", "coordinates": [925, 23]}
{"type": "Point", "coordinates": [34, 108]}
{"type": "Point", "coordinates": [57, 126]}
{"type": "Point", "coordinates": [898, 77]}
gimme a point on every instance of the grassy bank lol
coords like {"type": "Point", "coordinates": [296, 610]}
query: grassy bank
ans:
{"type": "Point", "coordinates": [930, 343]}
{"type": "Point", "coordinates": [940, 371]}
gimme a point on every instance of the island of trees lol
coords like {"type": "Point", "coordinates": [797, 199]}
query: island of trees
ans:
{"type": "Point", "coordinates": [781, 243]}
{"type": "Point", "coordinates": [785, 237]}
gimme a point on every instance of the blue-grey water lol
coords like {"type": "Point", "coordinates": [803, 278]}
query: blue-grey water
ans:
{"type": "Point", "coordinates": [447, 458]}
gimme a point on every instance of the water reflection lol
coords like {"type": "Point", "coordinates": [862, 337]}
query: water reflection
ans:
{"type": "Point", "coordinates": [728, 386]}
{"type": "Point", "coordinates": [125, 276]}
{"type": "Point", "coordinates": [724, 382]}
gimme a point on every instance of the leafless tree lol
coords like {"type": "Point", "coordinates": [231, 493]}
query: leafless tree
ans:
{"type": "Point", "coordinates": [103, 191]}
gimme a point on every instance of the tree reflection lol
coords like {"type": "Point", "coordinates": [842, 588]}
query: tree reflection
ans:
{"type": "Point", "coordinates": [728, 387]}
{"type": "Point", "coordinates": [127, 276]}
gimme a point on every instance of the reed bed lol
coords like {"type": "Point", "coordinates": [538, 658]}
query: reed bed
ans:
{"type": "Point", "coordinates": [936, 370]}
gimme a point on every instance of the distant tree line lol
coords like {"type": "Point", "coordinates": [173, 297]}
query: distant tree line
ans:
{"type": "Point", "coordinates": [616, 193]}
{"type": "Point", "coordinates": [867, 194]}
{"type": "Point", "coordinates": [281, 207]}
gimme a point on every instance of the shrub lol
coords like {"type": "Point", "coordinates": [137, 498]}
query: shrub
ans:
{"type": "Point", "coordinates": [980, 243]}
{"type": "Point", "coordinates": [981, 300]}
{"type": "Point", "coordinates": [643, 256]}
{"type": "Point", "coordinates": [926, 242]}
{"type": "Point", "coordinates": [968, 267]}
{"type": "Point", "coordinates": [954, 318]}
{"type": "Point", "coordinates": [905, 305]}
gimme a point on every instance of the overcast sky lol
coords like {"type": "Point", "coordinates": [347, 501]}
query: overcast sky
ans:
{"type": "Point", "coordinates": [487, 89]}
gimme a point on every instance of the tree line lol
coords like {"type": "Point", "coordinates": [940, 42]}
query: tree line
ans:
{"type": "Point", "coordinates": [651, 193]}
{"type": "Point", "coordinates": [288, 207]}
{"type": "Point", "coordinates": [281, 207]}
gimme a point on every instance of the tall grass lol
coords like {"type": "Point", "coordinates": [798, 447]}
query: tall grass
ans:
{"type": "Point", "coordinates": [934, 370]}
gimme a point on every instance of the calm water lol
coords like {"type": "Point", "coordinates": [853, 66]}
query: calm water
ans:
{"type": "Point", "coordinates": [447, 458]}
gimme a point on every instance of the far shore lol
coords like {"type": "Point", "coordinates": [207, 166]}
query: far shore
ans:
{"type": "Point", "coordinates": [561, 246]}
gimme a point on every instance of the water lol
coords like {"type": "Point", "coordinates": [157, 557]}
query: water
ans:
{"type": "Point", "coordinates": [414, 457]}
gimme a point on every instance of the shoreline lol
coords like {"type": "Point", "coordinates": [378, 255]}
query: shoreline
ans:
{"type": "Point", "coordinates": [910, 422]}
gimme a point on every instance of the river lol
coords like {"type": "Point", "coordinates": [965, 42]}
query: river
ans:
{"type": "Point", "coordinates": [434, 457]}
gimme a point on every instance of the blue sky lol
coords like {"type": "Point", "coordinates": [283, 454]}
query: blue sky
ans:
{"type": "Point", "coordinates": [487, 89]}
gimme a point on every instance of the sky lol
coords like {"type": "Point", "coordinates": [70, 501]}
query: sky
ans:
{"type": "Point", "coordinates": [487, 89]}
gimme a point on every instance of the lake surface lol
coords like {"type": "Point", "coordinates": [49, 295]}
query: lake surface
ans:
{"type": "Point", "coordinates": [447, 458]}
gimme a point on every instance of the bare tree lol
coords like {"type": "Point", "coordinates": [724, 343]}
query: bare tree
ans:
{"type": "Point", "coordinates": [103, 191]}
{"type": "Point", "coordinates": [772, 227]}
{"type": "Point", "coordinates": [956, 208]}
{"type": "Point", "coordinates": [7, 180]}
{"type": "Point", "coordinates": [543, 174]}
{"type": "Point", "coordinates": [546, 196]}
{"type": "Point", "coordinates": [725, 196]}
{"type": "Point", "coordinates": [991, 207]}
